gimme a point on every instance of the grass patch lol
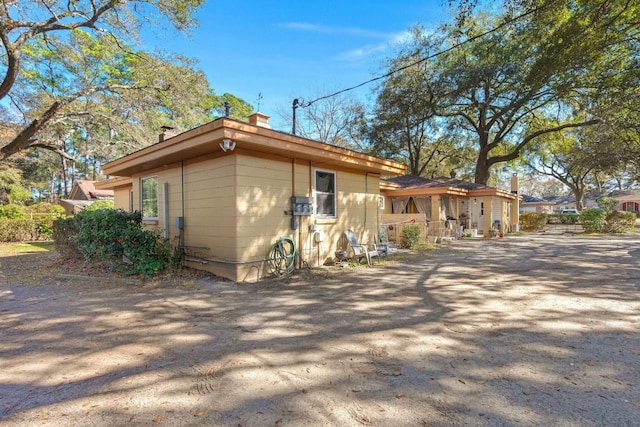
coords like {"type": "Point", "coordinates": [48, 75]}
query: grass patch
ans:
{"type": "Point", "coordinates": [24, 248]}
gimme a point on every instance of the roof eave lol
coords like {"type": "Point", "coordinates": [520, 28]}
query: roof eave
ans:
{"type": "Point", "coordinates": [206, 139]}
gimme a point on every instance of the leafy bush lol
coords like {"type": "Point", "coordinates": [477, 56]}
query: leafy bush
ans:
{"type": "Point", "coordinates": [100, 204]}
{"type": "Point", "coordinates": [554, 219]}
{"type": "Point", "coordinates": [18, 224]}
{"type": "Point", "coordinates": [17, 230]}
{"type": "Point", "coordinates": [569, 219]}
{"type": "Point", "coordinates": [607, 203]}
{"type": "Point", "coordinates": [619, 221]}
{"type": "Point", "coordinates": [410, 236]}
{"type": "Point", "coordinates": [116, 236]}
{"type": "Point", "coordinates": [12, 212]}
{"type": "Point", "coordinates": [593, 220]}
{"type": "Point", "coordinates": [533, 221]}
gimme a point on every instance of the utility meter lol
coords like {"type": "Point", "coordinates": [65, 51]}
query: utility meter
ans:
{"type": "Point", "coordinates": [301, 205]}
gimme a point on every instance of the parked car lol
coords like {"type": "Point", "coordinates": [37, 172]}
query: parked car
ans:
{"type": "Point", "coordinates": [569, 212]}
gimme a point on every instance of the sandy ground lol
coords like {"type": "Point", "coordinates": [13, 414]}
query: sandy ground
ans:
{"type": "Point", "coordinates": [531, 330]}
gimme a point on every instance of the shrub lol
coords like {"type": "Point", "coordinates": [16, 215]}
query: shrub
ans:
{"type": "Point", "coordinates": [17, 230]}
{"type": "Point", "coordinates": [100, 204]}
{"type": "Point", "coordinates": [410, 236]}
{"type": "Point", "coordinates": [593, 220]}
{"type": "Point", "coordinates": [619, 221]}
{"type": "Point", "coordinates": [569, 219]}
{"type": "Point", "coordinates": [12, 212]}
{"type": "Point", "coordinates": [114, 235]}
{"type": "Point", "coordinates": [607, 203]}
{"type": "Point", "coordinates": [533, 221]}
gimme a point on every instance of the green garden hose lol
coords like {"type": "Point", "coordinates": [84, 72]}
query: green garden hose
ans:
{"type": "Point", "coordinates": [282, 256]}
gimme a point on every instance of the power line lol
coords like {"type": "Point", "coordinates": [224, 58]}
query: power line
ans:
{"type": "Point", "coordinates": [442, 52]}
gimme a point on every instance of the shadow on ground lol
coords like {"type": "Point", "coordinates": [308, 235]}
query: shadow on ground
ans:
{"type": "Point", "coordinates": [527, 331]}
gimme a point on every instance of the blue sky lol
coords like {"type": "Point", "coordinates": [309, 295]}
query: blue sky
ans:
{"type": "Point", "coordinates": [296, 49]}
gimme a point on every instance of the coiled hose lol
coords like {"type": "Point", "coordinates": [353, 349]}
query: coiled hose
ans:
{"type": "Point", "coordinates": [282, 256]}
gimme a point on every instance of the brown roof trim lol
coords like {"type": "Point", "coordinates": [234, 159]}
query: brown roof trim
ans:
{"type": "Point", "coordinates": [409, 185]}
{"type": "Point", "coordinates": [206, 139]}
{"type": "Point", "coordinates": [113, 183]}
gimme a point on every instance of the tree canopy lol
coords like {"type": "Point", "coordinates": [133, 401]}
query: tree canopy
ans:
{"type": "Point", "coordinates": [501, 82]}
{"type": "Point", "coordinates": [55, 54]}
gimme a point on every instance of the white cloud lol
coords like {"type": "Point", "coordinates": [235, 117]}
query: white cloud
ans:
{"type": "Point", "coordinates": [327, 29]}
{"type": "Point", "coordinates": [389, 39]}
{"type": "Point", "coordinates": [371, 49]}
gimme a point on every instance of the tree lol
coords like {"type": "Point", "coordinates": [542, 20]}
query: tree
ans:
{"type": "Point", "coordinates": [127, 97]}
{"type": "Point", "coordinates": [505, 71]}
{"type": "Point", "coordinates": [28, 24]}
{"type": "Point", "coordinates": [572, 157]}
{"type": "Point", "coordinates": [404, 127]}
{"type": "Point", "coordinates": [335, 120]}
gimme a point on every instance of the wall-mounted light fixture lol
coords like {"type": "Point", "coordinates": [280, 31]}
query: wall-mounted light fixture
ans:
{"type": "Point", "coordinates": [227, 144]}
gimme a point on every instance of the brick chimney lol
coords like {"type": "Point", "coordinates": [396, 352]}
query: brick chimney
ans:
{"type": "Point", "coordinates": [259, 119]}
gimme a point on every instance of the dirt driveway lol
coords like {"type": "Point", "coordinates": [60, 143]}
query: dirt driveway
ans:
{"type": "Point", "coordinates": [530, 330]}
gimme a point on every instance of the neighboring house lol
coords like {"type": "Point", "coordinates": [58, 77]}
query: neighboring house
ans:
{"type": "Point", "coordinates": [535, 204]}
{"type": "Point", "coordinates": [628, 200]}
{"type": "Point", "coordinates": [83, 194]}
{"type": "Point", "coordinates": [227, 190]}
{"type": "Point", "coordinates": [560, 203]}
{"type": "Point", "coordinates": [449, 202]}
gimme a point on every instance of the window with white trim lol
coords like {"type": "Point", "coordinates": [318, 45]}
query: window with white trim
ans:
{"type": "Point", "coordinates": [325, 193]}
{"type": "Point", "coordinates": [149, 197]}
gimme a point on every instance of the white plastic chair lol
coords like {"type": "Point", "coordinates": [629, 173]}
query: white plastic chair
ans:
{"type": "Point", "coordinates": [361, 250]}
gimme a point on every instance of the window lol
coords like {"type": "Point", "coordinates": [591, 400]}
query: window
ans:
{"type": "Point", "coordinates": [149, 202]}
{"type": "Point", "coordinates": [325, 186]}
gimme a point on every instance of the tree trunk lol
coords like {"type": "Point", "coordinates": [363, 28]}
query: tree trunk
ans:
{"type": "Point", "coordinates": [64, 185]}
{"type": "Point", "coordinates": [482, 167]}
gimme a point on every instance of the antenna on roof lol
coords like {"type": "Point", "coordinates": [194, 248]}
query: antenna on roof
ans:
{"type": "Point", "coordinates": [259, 100]}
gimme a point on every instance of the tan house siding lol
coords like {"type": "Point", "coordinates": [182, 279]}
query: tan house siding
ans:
{"type": "Point", "coordinates": [235, 206]}
{"type": "Point", "coordinates": [209, 203]}
{"type": "Point", "coordinates": [121, 198]}
{"type": "Point", "coordinates": [236, 202]}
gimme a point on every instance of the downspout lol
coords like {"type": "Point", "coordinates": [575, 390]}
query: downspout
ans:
{"type": "Point", "coordinates": [182, 197]}
{"type": "Point", "coordinates": [165, 208]}
{"type": "Point", "coordinates": [366, 196]}
{"type": "Point", "coordinates": [293, 193]}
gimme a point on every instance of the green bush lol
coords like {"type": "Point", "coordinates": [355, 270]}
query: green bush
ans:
{"type": "Point", "coordinates": [17, 230]}
{"type": "Point", "coordinates": [38, 227]}
{"type": "Point", "coordinates": [607, 203]}
{"type": "Point", "coordinates": [569, 219]}
{"type": "Point", "coordinates": [593, 220]}
{"type": "Point", "coordinates": [533, 221]}
{"type": "Point", "coordinates": [116, 236]}
{"type": "Point", "coordinates": [410, 236]}
{"type": "Point", "coordinates": [619, 221]}
{"type": "Point", "coordinates": [554, 219]}
{"type": "Point", "coordinates": [100, 204]}
{"type": "Point", "coordinates": [12, 212]}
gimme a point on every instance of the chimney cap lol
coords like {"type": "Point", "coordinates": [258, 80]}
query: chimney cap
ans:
{"type": "Point", "coordinates": [259, 119]}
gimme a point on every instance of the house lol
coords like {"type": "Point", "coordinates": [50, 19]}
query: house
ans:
{"type": "Point", "coordinates": [628, 200]}
{"type": "Point", "coordinates": [227, 190]}
{"type": "Point", "coordinates": [84, 193]}
{"type": "Point", "coordinates": [560, 203]}
{"type": "Point", "coordinates": [535, 204]}
{"type": "Point", "coordinates": [444, 204]}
